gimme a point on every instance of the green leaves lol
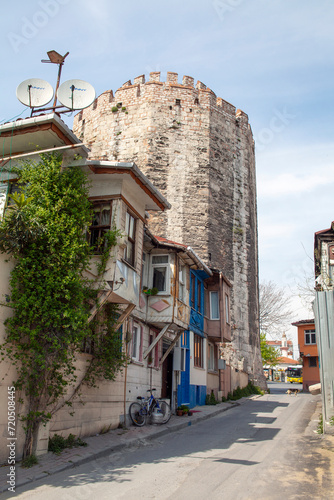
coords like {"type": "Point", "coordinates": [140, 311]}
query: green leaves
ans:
{"type": "Point", "coordinates": [45, 230]}
{"type": "Point", "coordinates": [270, 355]}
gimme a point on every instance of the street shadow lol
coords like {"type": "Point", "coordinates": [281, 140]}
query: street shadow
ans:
{"type": "Point", "coordinates": [242, 424]}
{"type": "Point", "coordinates": [236, 462]}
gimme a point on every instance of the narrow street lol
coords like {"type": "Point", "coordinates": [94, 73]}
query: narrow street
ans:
{"type": "Point", "coordinates": [266, 448]}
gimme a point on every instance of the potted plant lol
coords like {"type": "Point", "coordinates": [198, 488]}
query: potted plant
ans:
{"type": "Point", "coordinates": [185, 409]}
{"type": "Point", "coordinates": [150, 291]}
{"type": "Point", "coordinates": [179, 411]}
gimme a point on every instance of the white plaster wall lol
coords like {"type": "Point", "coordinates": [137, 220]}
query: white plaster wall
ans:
{"type": "Point", "coordinates": [197, 375]}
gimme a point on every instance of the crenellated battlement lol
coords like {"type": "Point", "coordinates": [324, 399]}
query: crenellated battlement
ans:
{"type": "Point", "coordinates": [187, 95]}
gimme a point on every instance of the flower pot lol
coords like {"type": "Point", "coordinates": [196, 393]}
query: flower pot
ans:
{"type": "Point", "coordinates": [179, 413]}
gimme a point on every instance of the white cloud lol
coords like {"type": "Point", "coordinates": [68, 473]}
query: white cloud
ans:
{"type": "Point", "coordinates": [287, 184]}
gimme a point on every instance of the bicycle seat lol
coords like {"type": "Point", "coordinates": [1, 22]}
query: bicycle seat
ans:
{"type": "Point", "coordinates": [140, 397]}
{"type": "Point", "coordinates": [151, 390]}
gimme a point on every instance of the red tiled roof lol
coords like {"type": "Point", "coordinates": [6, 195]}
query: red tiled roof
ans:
{"type": "Point", "coordinates": [303, 322]}
{"type": "Point", "coordinates": [164, 240]}
{"type": "Point", "coordinates": [288, 361]}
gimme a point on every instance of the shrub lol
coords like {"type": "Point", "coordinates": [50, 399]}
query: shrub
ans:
{"type": "Point", "coordinates": [29, 461]}
{"type": "Point", "coordinates": [58, 443]}
{"type": "Point", "coordinates": [211, 399]}
{"type": "Point", "coordinates": [245, 392]}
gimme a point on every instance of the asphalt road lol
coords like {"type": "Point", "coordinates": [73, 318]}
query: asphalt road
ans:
{"type": "Point", "coordinates": [263, 449]}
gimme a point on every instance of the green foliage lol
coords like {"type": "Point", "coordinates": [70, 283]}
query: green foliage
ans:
{"type": "Point", "coordinates": [29, 461]}
{"type": "Point", "coordinates": [114, 109]}
{"type": "Point", "coordinates": [58, 443]}
{"type": "Point", "coordinates": [238, 393]}
{"type": "Point", "coordinates": [320, 428]}
{"type": "Point", "coordinates": [45, 232]}
{"type": "Point", "coordinates": [150, 291]}
{"type": "Point", "coordinates": [270, 355]}
{"type": "Point", "coordinates": [331, 421]}
{"type": "Point", "coordinates": [210, 399]}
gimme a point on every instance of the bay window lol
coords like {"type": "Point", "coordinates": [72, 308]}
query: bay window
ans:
{"type": "Point", "coordinates": [160, 264]}
{"type": "Point", "coordinates": [129, 250]}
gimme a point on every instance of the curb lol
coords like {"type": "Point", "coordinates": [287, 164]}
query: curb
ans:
{"type": "Point", "coordinates": [75, 462]}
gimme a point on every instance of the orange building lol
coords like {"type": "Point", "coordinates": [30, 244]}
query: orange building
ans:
{"type": "Point", "coordinates": [308, 352]}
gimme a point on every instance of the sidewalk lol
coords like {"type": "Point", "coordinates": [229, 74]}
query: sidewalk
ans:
{"type": "Point", "coordinates": [105, 444]}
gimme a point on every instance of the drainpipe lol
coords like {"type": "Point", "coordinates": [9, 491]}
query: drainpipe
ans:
{"type": "Point", "coordinates": [221, 306]}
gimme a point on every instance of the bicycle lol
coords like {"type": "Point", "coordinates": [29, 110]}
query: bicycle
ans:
{"type": "Point", "coordinates": [139, 411]}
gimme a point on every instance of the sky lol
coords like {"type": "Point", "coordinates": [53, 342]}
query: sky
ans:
{"type": "Point", "coordinates": [271, 58]}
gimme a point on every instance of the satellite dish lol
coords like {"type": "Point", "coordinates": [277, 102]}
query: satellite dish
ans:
{"type": "Point", "coordinates": [76, 94]}
{"type": "Point", "coordinates": [34, 92]}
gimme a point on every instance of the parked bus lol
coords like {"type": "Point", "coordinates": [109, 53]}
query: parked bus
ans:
{"type": "Point", "coordinates": [294, 374]}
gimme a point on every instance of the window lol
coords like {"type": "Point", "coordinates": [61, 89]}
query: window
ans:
{"type": "Point", "coordinates": [198, 351]}
{"type": "Point", "coordinates": [312, 362]}
{"type": "Point", "coordinates": [227, 308]}
{"type": "Point", "coordinates": [192, 296]}
{"type": "Point", "coordinates": [196, 293]}
{"type": "Point", "coordinates": [206, 303]}
{"type": "Point", "coordinates": [136, 342]}
{"type": "Point", "coordinates": [182, 283]}
{"type": "Point", "coordinates": [100, 225]}
{"type": "Point", "coordinates": [130, 228]}
{"type": "Point", "coordinates": [214, 305]}
{"type": "Point", "coordinates": [310, 337]}
{"type": "Point", "coordinates": [144, 269]}
{"type": "Point", "coordinates": [160, 272]}
{"type": "Point", "coordinates": [183, 359]}
{"type": "Point", "coordinates": [211, 357]}
{"type": "Point", "coordinates": [199, 296]}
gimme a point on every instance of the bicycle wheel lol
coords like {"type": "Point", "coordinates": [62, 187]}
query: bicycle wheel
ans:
{"type": "Point", "coordinates": [137, 414]}
{"type": "Point", "coordinates": [165, 410]}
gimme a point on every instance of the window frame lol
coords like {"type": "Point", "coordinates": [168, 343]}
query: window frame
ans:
{"type": "Point", "coordinates": [100, 228]}
{"type": "Point", "coordinates": [227, 308]}
{"type": "Point", "coordinates": [310, 333]}
{"type": "Point", "coordinates": [312, 362]}
{"type": "Point", "coordinates": [212, 361]}
{"type": "Point", "coordinates": [136, 346]}
{"type": "Point", "coordinates": [196, 294]}
{"type": "Point", "coordinates": [198, 351]}
{"type": "Point", "coordinates": [130, 239]}
{"type": "Point", "coordinates": [166, 265]}
{"type": "Point", "coordinates": [211, 293]}
{"type": "Point", "coordinates": [182, 282]}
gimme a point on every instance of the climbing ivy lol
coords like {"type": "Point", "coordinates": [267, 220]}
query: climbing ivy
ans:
{"type": "Point", "coordinates": [44, 231]}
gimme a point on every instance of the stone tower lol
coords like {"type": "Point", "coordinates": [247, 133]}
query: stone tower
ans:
{"type": "Point", "coordinates": [198, 150]}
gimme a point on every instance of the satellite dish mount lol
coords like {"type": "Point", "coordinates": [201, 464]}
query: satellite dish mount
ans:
{"type": "Point", "coordinates": [55, 58]}
{"type": "Point", "coordinates": [72, 94]}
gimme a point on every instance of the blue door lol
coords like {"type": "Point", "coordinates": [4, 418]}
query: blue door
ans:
{"type": "Point", "coordinates": [184, 387]}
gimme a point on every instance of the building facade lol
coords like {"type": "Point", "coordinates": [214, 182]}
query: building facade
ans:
{"type": "Point", "coordinates": [199, 151]}
{"type": "Point", "coordinates": [307, 343]}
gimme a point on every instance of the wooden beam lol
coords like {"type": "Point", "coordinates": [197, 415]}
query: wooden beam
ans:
{"type": "Point", "coordinates": [124, 315]}
{"type": "Point", "coordinates": [156, 340]}
{"type": "Point", "coordinates": [104, 297]}
{"type": "Point", "coordinates": [170, 347]}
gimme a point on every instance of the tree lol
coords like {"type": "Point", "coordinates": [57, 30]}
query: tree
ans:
{"type": "Point", "coordinates": [44, 230]}
{"type": "Point", "coordinates": [275, 312]}
{"type": "Point", "coordinates": [270, 355]}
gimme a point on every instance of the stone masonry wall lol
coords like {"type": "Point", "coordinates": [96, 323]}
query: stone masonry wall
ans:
{"type": "Point", "coordinates": [199, 152]}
